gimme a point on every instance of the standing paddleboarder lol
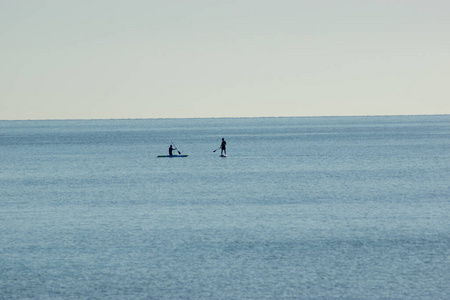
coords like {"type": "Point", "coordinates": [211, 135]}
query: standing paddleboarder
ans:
{"type": "Point", "coordinates": [223, 147]}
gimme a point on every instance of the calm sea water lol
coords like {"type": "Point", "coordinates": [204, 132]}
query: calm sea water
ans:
{"type": "Point", "coordinates": [337, 207]}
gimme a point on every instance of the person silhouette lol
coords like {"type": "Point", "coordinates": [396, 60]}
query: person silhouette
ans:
{"type": "Point", "coordinates": [170, 150]}
{"type": "Point", "coordinates": [223, 147]}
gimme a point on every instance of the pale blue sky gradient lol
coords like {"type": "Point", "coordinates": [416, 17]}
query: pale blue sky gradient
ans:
{"type": "Point", "coordinates": [246, 58]}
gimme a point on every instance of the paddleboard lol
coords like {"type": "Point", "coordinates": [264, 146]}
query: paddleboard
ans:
{"type": "Point", "coordinates": [182, 155]}
{"type": "Point", "coordinates": [223, 155]}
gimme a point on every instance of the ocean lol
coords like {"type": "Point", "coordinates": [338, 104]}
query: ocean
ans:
{"type": "Point", "coordinates": [302, 208]}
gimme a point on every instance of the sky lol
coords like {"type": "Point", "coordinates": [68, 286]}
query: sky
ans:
{"type": "Point", "coordinates": [108, 59]}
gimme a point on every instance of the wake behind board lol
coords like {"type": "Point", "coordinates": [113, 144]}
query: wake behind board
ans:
{"type": "Point", "coordinates": [182, 155]}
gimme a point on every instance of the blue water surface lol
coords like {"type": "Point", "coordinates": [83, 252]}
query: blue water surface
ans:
{"type": "Point", "coordinates": [326, 207]}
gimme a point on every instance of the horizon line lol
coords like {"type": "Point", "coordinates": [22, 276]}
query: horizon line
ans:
{"type": "Point", "coordinates": [241, 117]}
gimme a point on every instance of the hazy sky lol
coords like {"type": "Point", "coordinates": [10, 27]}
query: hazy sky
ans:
{"type": "Point", "coordinates": [188, 58]}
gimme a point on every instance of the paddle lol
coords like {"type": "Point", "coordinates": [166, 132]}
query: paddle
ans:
{"type": "Point", "coordinates": [176, 148]}
{"type": "Point", "coordinates": [217, 149]}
